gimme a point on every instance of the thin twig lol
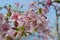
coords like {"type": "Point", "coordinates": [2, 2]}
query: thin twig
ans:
{"type": "Point", "coordinates": [57, 28]}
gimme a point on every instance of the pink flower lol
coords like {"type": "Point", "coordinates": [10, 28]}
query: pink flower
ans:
{"type": "Point", "coordinates": [45, 9]}
{"type": "Point", "coordinates": [48, 2]}
{"type": "Point", "coordinates": [33, 5]}
{"type": "Point", "coordinates": [10, 33]}
{"type": "Point", "coordinates": [15, 16]}
{"type": "Point", "coordinates": [5, 27]}
{"type": "Point", "coordinates": [31, 14]}
{"type": "Point", "coordinates": [30, 21]}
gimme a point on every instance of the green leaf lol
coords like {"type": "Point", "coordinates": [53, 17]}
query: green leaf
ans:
{"type": "Point", "coordinates": [30, 33]}
{"type": "Point", "coordinates": [9, 38]}
{"type": "Point", "coordinates": [23, 34]}
{"type": "Point", "coordinates": [43, 4]}
{"type": "Point", "coordinates": [8, 14]}
{"type": "Point", "coordinates": [58, 1]}
{"type": "Point", "coordinates": [1, 8]}
{"type": "Point", "coordinates": [15, 34]}
{"type": "Point", "coordinates": [22, 28]}
{"type": "Point", "coordinates": [37, 12]}
{"type": "Point", "coordinates": [17, 29]}
{"type": "Point", "coordinates": [35, 29]}
{"type": "Point", "coordinates": [40, 10]}
{"type": "Point", "coordinates": [9, 5]}
{"type": "Point", "coordinates": [6, 18]}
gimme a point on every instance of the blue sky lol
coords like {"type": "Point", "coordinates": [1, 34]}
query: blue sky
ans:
{"type": "Point", "coordinates": [6, 2]}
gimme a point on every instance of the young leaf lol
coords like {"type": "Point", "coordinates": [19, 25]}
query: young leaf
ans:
{"type": "Point", "coordinates": [8, 14]}
{"type": "Point", "coordinates": [58, 1]}
{"type": "Point", "coordinates": [29, 33]}
{"type": "Point", "coordinates": [22, 28]}
{"type": "Point", "coordinates": [35, 29]}
{"type": "Point", "coordinates": [40, 10]}
{"type": "Point", "coordinates": [9, 5]}
{"type": "Point", "coordinates": [14, 28]}
{"type": "Point", "coordinates": [17, 29]}
{"type": "Point", "coordinates": [15, 34]}
{"type": "Point", "coordinates": [1, 8]}
{"type": "Point", "coordinates": [37, 12]}
{"type": "Point", "coordinates": [9, 38]}
{"type": "Point", "coordinates": [23, 34]}
{"type": "Point", "coordinates": [43, 4]}
{"type": "Point", "coordinates": [16, 23]}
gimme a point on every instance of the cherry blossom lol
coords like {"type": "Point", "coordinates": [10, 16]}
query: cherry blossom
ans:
{"type": "Point", "coordinates": [25, 24]}
{"type": "Point", "coordinates": [10, 33]}
{"type": "Point", "coordinates": [48, 2]}
{"type": "Point", "coordinates": [15, 16]}
{"type": "Point", "coordinates": [45, 9]}
{"type": "Point", "coordinates": [5, 27]}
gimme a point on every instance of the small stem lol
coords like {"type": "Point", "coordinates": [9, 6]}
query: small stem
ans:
{"type": "Point", "coordinates": [57, 28]}
{"type": "Point", "coordinates": [38, 36]}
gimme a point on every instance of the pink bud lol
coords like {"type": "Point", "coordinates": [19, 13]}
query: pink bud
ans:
{"type": "Point", "coordinates": [15, 16]}
{"type": "Point", "coordinates": [18, 4]}
{"type": "Point", "coordinates": [5, 27]}
{"type": "Point", "coordinates": [48, 2]}
{"type": "Point", "coordinates": [45, 9]}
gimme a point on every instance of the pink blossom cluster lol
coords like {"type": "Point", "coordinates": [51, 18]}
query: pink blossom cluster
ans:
{"type": "Point", "coordinates": [27, 23]}
{"type": "Point", "coordinates": [21, 25]}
